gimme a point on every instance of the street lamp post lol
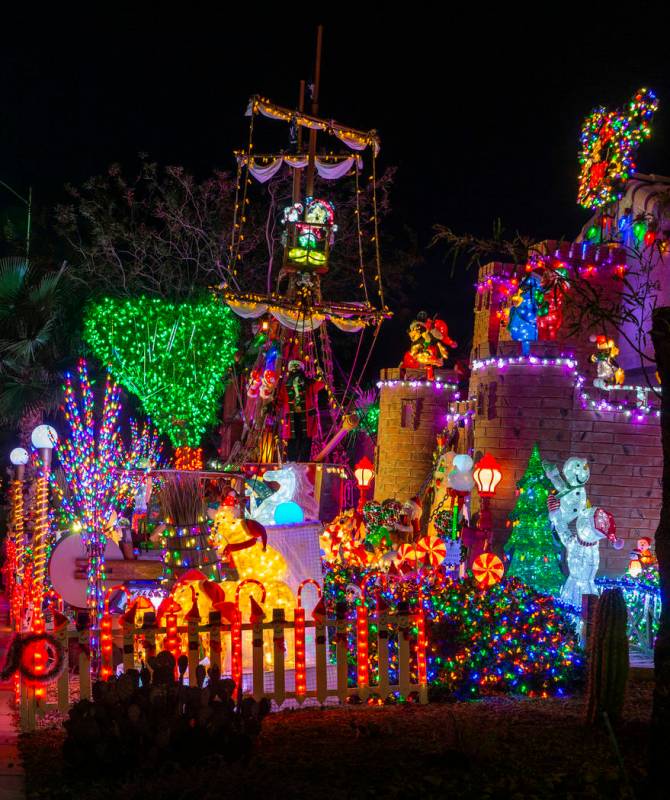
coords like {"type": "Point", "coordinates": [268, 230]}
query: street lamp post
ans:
{"type": "Point", "coordinates": [487, 476]}
{"type": "Point", "coordinates": [364, 472]}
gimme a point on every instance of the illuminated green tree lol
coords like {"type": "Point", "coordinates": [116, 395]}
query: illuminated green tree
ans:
{"type": "Point", "coordinates": [173, 356]}
{"type": "Point", "coordinates": [531, 547]}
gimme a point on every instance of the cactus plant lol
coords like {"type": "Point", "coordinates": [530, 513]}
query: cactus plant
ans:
{"type": "Point", "coordinates": [608, 658]}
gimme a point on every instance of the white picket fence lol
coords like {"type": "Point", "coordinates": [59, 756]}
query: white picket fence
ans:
{"type": "Point", "coordinates": [313, 677]}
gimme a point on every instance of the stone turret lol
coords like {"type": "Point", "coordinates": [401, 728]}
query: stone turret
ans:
{"type": "Point", "coordinates": [412, 411]}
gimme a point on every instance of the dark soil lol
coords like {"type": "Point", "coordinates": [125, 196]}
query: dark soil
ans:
{"type": "Point", "coordinates": [494, 748]}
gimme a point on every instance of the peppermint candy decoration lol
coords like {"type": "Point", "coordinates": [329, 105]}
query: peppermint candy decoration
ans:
{"type": "Point", "coordinates": [431, 550]}
{"type": "Point", "coordinates": [487, 570]}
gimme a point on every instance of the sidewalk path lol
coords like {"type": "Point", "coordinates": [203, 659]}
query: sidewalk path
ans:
{"type": "Point", "coordinates": [12, 779]}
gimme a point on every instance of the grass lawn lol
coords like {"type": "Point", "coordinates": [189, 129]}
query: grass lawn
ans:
{"type": "Point", "coordinates": [494, 748]}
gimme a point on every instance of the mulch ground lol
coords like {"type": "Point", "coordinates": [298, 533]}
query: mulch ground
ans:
{"type": "Point", "coordinates": [494, 748]}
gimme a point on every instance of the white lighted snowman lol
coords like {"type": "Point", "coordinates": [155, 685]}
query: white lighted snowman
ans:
{"type": "Point", "coordinates": [570, 506]}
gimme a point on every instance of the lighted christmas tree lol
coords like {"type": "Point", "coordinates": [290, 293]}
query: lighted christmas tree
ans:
{"type": "Point", "coordinates": [531, 548]}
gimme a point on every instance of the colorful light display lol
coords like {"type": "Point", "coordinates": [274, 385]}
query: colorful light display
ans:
{"type": "Point", "coordinates": [92, 466]}
{"type": "Point", "coordinates": [509, 639]}
{"type": "Point", "coordinates": [608, 141]}
{"type": "Point", "coordinates": [174, 357]}
{"type": "Point", "coordinates": [531, 547]}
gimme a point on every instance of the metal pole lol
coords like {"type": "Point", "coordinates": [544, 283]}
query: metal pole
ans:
{"type": "Point", "coordinates": [30, 214]}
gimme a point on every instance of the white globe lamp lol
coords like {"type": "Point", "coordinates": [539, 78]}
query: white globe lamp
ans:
{"type": "Point", "coordinates": [44, 437]}
{"type": "Point", "coordinates": [19, 457]}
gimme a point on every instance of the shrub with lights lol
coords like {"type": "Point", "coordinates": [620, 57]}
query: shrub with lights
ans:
{"type": "Point", "coordinates": [508, 639]}
{"type": "Point", "coordinates": [173, 356]}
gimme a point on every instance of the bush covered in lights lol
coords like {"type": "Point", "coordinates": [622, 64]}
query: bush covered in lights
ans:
{"type": "Point", "coordinates": [509, 639]}
{"type": "Point", "coordinates": [173, 356]}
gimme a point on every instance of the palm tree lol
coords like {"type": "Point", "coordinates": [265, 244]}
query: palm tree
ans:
{"type": "Point", "coordinates": [30, 344]}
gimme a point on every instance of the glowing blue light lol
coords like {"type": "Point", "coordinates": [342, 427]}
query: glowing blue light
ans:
{"type": "Point", "coordinates": [289, 513]}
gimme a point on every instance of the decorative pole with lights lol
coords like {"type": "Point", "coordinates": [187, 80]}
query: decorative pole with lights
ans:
{"type": "Point", "coordinates": [16, 543]}
{"type": "Point", "coordinates": [44, 437]}
{"type": "Point", "coordinates": [364, 472]}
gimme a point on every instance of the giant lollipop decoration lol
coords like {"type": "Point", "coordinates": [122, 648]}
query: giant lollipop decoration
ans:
{"type": "Point", "coordinates": [487, 570]}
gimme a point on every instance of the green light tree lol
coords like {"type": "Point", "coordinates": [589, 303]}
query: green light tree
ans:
{"type": "Point", "coordinates": [173, 356]}
{"type": "Point", "coordinates": [531, 548]}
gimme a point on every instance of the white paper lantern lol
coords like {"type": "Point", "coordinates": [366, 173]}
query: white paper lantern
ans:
{"type": "Point", "coordinates": [44, 436]}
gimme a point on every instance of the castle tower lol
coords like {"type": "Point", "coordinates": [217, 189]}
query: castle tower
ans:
{"type": "Point", "coordinates": [549, 399]}
{"type": "Point", "coordinates": [412, 411]}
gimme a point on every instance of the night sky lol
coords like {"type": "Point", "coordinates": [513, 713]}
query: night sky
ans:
{"type": "Point", "coordinates": [480, 125]}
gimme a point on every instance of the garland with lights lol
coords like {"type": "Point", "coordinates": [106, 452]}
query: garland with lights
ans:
{"type": "Point", "coordinates": [172, 356]}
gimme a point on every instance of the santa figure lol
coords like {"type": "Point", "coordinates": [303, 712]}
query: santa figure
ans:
{"type": "Point", "coordinates": [299, 403]}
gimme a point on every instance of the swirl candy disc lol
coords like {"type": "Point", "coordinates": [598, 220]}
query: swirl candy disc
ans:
{"type": "Point", "coordinates": [487, 570]}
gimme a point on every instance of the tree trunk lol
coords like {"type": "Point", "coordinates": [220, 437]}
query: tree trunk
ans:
{"type": "Point", "coordinates": [660, 730]}
{"type": "Point", "coordinates": [29, 421]}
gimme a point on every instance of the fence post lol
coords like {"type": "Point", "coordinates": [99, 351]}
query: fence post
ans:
{"type": "Point", "coordinates": [278, 641]}
{"type": "Point", "coordinates": [383, 647]}
{"type": "Point", "coordinates": [403, 648]}
{"type": "Point", "coordinates": [193, 650]}
{"type": "Point", "coordinates": [341, 650]}
{"type": "Point", "coordinates": [60, 633]}
{"type": "Point", "coordinates": [84, 630]}
{"type": "Point", "coordinates": [27, 706]}
{"type": "Point", "coordinates": [362, 666]}
{"type": "Point", "coordinates": [320, 641]}
{"type": "Point", "coordinates": [589, 602]}
{"type": "Point", "coordinates": [257, 657]}
{"type": "Point", "coordinates": [215, 639]}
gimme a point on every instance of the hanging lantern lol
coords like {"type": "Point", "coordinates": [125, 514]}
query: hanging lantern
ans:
{"type": "Point", "coordinates": [487, 475]}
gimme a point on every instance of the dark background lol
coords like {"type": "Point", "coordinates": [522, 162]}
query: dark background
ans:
{"type": "Point", "coordinates": [482, 124]}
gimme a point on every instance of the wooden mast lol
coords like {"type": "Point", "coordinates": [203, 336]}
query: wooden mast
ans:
{"type": "Point", "coordinates": [296, 172]}
{"type": "Point", "coordinates": [309, 189]}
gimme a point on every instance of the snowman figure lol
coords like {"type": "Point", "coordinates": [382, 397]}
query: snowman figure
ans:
{"type": "Point", "coordinates": [570, 506]}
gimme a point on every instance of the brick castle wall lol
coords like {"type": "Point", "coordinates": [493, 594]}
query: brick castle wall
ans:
{"type": "Point", "coordinates": [409, 419]}
{"type": "Point", "coordinates": [519, 405]}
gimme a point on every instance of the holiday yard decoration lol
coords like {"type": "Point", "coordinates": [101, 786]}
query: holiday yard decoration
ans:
{"type": "Point", "coordinates": [531, 549]}
{"type": "Point", "coordinates": [173, 356]}
{"type": "Point", "coordinates": [429, 340]}
{"type": "Point", "coordinates": [609, 140]}
{"type": "Point", "coordinates": [93, 464]}
{"type": "Point", "coordinates": [527, 304]}
{"type": "Point", "coordinates": [569, 506]}
{"type": "Point", "coordinates": [509, 639]}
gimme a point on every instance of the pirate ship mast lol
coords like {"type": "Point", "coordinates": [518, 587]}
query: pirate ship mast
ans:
{"type": "Point", "coordinates": [295, 359]}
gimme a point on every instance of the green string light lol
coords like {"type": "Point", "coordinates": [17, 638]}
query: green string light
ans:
{"type": "Point", "coordinates": [172, 356]}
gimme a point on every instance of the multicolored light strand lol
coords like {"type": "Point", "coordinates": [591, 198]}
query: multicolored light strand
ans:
{"type": "Point", "coordinates": [608, 141]}
{"type": "Point", "coordinates": [93, 470]}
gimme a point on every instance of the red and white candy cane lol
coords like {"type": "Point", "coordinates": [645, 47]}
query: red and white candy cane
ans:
{"type": "Point", "coordinates": [306, 582]}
